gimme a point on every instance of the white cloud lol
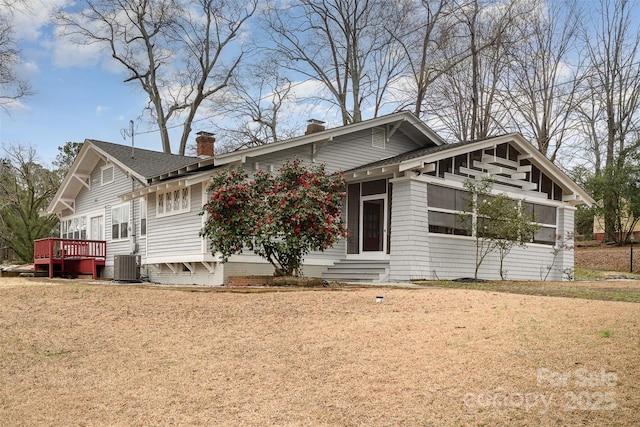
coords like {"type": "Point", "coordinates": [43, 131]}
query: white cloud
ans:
{"type": "Point", "coordinates": [31, 18]}
{"type": "Point", "coordinates": [26, 70]}
{"type": "Point", "coordinates": [100, 109]}
{"type": "Point", "coordinates": [67, 54]}
{"type": "Point", "coordinates": [308, 89]}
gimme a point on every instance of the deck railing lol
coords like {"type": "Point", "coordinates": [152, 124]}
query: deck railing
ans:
{"type": "Point", "coordinates": [55, 248]}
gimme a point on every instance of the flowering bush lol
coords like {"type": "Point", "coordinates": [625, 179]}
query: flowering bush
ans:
{"type": "Point", "coordinates": [281, 218]}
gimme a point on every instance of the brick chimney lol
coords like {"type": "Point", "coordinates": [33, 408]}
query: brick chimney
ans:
{"type": "Point", "coordinates": [314, 125]}
{"type": "Point", "coordinates": [205, 143]}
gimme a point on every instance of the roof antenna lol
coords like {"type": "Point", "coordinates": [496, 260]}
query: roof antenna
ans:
{"type": "Point", "coordinates": [128, 132]}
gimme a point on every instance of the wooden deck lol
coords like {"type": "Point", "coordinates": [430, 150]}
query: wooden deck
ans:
{"type": "Point", "coordinates": [69, 257]}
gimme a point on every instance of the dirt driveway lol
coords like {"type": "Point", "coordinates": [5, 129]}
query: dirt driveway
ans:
{"type": "Point", "coordinates": [92, 354]}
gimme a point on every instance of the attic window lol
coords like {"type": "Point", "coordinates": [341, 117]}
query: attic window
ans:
{"type": "Point", "coordinates": [378, 137]}
{"type": "Point", "coordinates": [107, 174]}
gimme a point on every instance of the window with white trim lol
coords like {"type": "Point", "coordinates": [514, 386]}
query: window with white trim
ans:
{"type": "Point", "coordinates": [450, 213]}
{"type": "Point", "coordinates": [449, 209]}
{"type": "Point", "coordinates": [120, 222]}
{"type": "Point", "coordinates": [545, 217]}
{"type": "Point", "coordinates": [173, 202]}
{"type": "Point", "coordinates": [107, 175]}
{"type": "Point", "coordinates": [74, 228]}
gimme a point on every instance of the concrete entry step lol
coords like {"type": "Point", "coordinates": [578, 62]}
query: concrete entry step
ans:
{"type": "Point", "coordinates": [370, 271]}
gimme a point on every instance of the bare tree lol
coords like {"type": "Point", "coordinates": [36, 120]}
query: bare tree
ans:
{"type": "Point", "coordinates": [12, 88]}
{"type": "Point", "coordinates": [542, 87]}
{"type": "Point", "coordinates": [613, 80]}
{"type": "Point", "coordinates": [422, 31]}
{"type": "Point", "coordinates": [256, 107]}
{"type": "Point", "coordinates": [341, 43]}
{"type": "Point", "coordinates": [466, 100]}
{"type": "Point", "coordinates": [590, 145]}
{"type": "Point", "coordinates": [179, 52]}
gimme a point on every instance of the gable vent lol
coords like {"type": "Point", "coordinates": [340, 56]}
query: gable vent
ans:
{"type": "Point", "coordinates": [378, 137]}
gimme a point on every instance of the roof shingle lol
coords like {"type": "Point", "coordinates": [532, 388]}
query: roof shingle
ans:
{"type": "Point", "coordinates": [147, 163]}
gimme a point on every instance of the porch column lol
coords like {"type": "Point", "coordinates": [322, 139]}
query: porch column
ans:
{"type": "Point", "coordinates": [409, 258]}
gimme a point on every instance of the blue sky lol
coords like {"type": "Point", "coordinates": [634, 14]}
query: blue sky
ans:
{"type": "Point", "coordinates": [76, 94]}
{"type": "Point", "coordinates": [79, 93]}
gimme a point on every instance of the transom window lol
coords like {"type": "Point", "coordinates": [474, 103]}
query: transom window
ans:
{"type": "Point", "coordinates": [173, 201]}
{"type": "Point", "coordinates": [74, 228]}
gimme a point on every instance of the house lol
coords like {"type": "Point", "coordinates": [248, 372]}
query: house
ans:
{"type": "Point", "coordinates": [630, 227]}
{"type": "Point", "coordinates": [405, 192]}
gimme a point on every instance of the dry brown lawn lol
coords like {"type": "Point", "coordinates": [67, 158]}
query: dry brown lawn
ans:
{"type": "Point", "coordinates": [75, 353]}
{"type": "Point", "coordinates": [608, 258]}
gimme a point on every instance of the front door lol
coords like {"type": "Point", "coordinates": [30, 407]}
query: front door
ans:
{"type": "Point", "coordinates": [373, 221]}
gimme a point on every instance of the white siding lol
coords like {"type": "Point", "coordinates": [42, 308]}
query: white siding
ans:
{"type": "Point", "coordinates": [410, 246]}
{"type": "Point", "coordinates": [175, 234]}
{"type": "Point", "coordinates": [100, 198]}
{"type": "Point", "coordinates": [333, 253]}
{"type": "Point", "coordinates": [343, 153]}
{"type": "Point", "coordinates": [565, 260]}
{"type": "Point", "coordinates": [453, 257]}
{"type": "Point", "coordinates": [161, 273]}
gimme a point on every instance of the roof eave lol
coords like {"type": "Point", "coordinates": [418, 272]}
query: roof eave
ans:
{"type": "Point", "coordinates": [175, 173]}
{"type": "Point", "coordinates": [55, 201]}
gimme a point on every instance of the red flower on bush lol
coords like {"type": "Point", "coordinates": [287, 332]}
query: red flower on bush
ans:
{"type": "Point", "coordinates": [281, 218]}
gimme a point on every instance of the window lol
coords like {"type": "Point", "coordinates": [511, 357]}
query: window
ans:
{"type": "Point", "coordinates": [449, 223]}
{"type": "Point", "coordinates": [185, 198]}
{"type": "Point", "coordinates": [448, 198]}
{"type": "Point", "coordinates": [370, 188]}
{"type": "Point", "coordinates": [107, 175]}
{"type": "Point", "coordinates": [120, 222]}
{"type": "Point", "coordinates": [173, 202]}
{"type": "Point", "coordinates": [545, 217]}
{"type": "Point", "coordinates": [447, 207]}
{"type": "Point", "coordinates": [143, 217]}
{"type": "Point", "coordinates": [450, 213]}
{"type": "Point", "coordinates": [176, 200]}
{"type": "Point", "coordinates": [97, 227]}
{"type": "Point", "coordinates": [160, 204]}
{"type": "Point", "coordinates": [74, 228]}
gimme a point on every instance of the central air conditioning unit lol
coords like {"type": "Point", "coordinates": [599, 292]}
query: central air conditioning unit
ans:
{"type": "Point", "coordinates": [126, 268]}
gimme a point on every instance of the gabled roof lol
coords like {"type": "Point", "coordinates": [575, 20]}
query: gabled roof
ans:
{"type": "Point", "coordinates": [419, 158]}
{"type": "Point", "coordinates": [403, 121]}
{"type": "Point", "coordinates": [147, 164]}
{"type": "Point", "coordinates": [152, 167]}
